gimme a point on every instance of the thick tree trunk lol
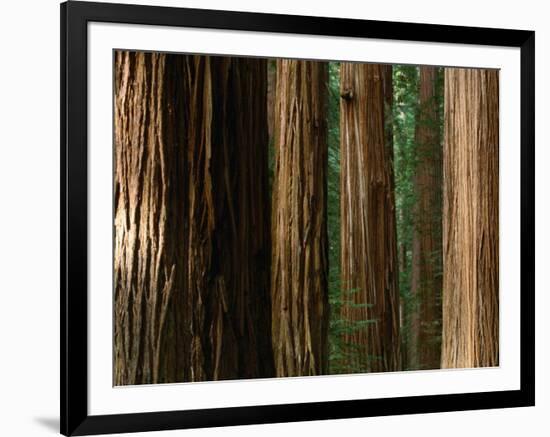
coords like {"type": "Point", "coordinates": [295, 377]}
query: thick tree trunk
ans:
{"type": "Point", "coordinates": [470, 219]}
{"type": "Point", "coordinates": [299, 263]}
{"type": "Point", "coordinates": [368, 243]}
{"type": "Point", "coordinates": [228, 247]}
{"type": "Point", "coordinates": [148, 211]}
{"type": "Point", "coordinates": [426, 281]}
{"type": "Point", "coordinates": [191, 233]}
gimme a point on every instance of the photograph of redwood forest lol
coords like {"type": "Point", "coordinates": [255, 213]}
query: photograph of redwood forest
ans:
{"type": "Point", "coordinates": [282, 217]}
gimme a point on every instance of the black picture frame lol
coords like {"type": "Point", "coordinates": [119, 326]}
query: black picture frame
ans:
{"type": "Point", "coordinates": [75, 16]}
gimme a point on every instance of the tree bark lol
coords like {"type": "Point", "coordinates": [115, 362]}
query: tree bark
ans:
{"type": "Point", "coordinates": [228, 247]}
{"type": "Point", "coordinates": [147, 242]}
{"type": "Point", "coordinates": [470, 219]}
{"type": "Point", "coordinates": [299, 280]}
{"type": "Point", "coordinates": [368, 243]}
{"type": "Point", "coordinates": [271, 87]}
{"type": "Point", "coordinates": [191, 233]}
{"type": "Point", "coordinates": [426, 280]}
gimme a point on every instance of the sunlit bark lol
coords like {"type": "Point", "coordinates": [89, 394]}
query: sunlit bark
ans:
{"type": "Point", "coordinates": [470, 219]}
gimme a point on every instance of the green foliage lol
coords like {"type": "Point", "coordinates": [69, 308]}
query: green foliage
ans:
{"type": "Point", "coordinates": [405, 107]}
{"type": "Point", "coordinates": [407, 116]}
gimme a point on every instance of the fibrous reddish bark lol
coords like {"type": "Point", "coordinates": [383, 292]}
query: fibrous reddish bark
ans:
{"type": "Point", "coordinates": [228, 248]}
{"type": "Point", "coordinates": [191, 232]}
{"type": "Point", "coordinates": [299, 263]}
{"type": "Point", "coordinates": [368, 239]}
{"type": "Point", "coordinates": [470, 219]}
{"type": "Point", "coordinates": [147, 217]}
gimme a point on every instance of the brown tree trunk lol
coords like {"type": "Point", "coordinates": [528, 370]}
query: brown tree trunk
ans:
{"type": "Point", "coordinates": [368, 243]}
{"type": "Point", "coordinates": [147, 242]}
{"type": "Point", "coordinates": [470, 219]}
{"type": "Point", "coordinates": [191, 233]}
{"type": "Point", "coordinates": [426, 279]}
{"type": "Point", "coordinates": [387, 83]}
{"type": "Point", "coordinates": [271, 87]}
{"type": "Point", "coordinates": [299, 280]}
{"type": "Point", "coordinates": [229, 240]}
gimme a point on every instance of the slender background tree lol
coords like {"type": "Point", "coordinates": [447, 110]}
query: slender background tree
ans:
{"type": "Point", "coordinates": [426, 276]}
{"type": "Point", "coordinates": [403, 121]}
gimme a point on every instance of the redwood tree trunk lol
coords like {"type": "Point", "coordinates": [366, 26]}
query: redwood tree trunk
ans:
{"type": "Point", "coordinates": [368, 243]}
{"type": "Point", "coordinates": [191, 233]}
{"type": "Point", "coordinates": [426, 281]}
{"type": "Point", "coordinates": [228, 247]}
{"type": "Point", "coordinates": [148, 211]}
{"type": "Point", "coordinates": [299, 277]}
{"type": "Point", "coordinates": [470, 219]}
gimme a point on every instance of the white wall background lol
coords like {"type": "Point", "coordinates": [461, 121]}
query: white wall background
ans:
{"type": "Point", "coordinates": [29, 217]}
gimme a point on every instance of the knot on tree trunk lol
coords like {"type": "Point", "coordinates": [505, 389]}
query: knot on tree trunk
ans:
{"type": "Point", "coordinates": [347, 94]}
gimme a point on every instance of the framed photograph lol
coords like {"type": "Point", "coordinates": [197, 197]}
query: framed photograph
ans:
{"type": "Point", "coordinates": [272, 218]}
